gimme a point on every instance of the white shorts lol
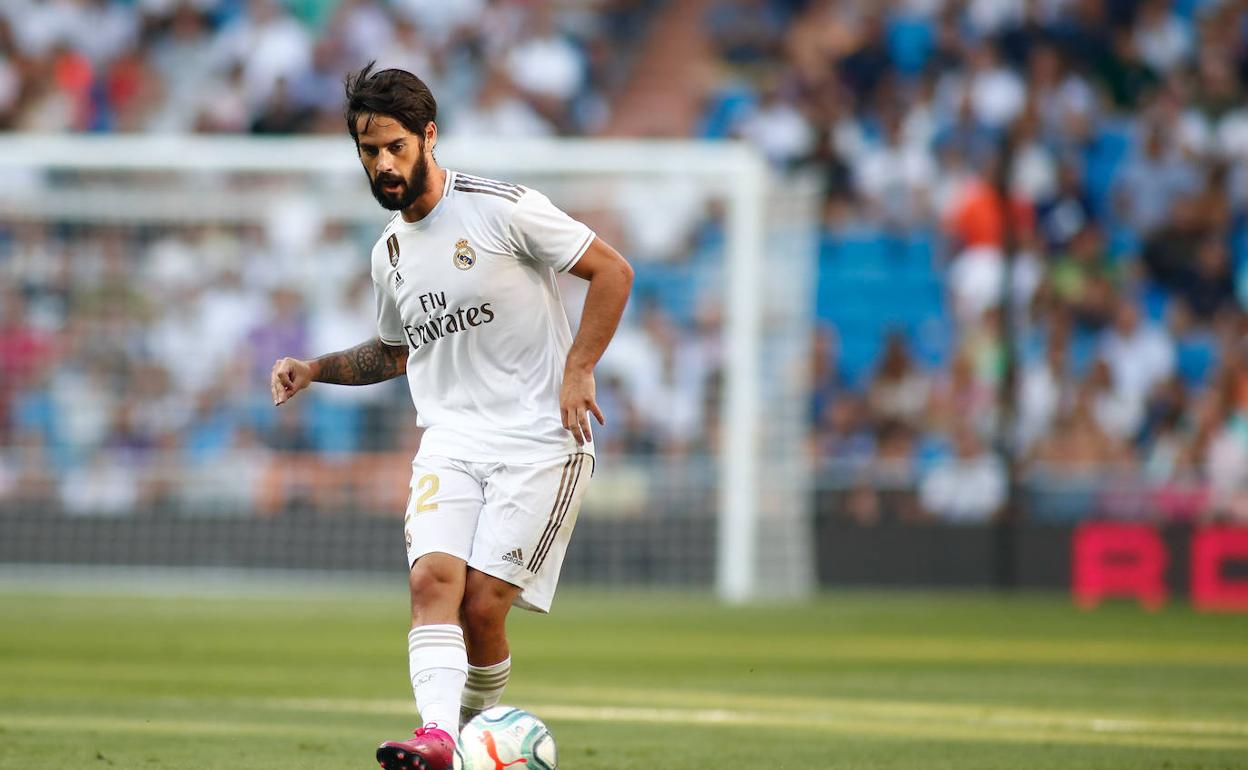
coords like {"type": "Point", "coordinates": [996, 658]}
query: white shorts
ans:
{"type": "Point", "coordinates": [509, 520]}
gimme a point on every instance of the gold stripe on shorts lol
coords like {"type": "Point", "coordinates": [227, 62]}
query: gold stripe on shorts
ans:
{"type": "Point", "coordinates": [543, 548]}
{"type": "Point", "coordinates": [550, 521]}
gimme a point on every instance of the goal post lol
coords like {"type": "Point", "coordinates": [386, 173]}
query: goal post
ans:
{"type": "Point", "coordinates": [763, 542]}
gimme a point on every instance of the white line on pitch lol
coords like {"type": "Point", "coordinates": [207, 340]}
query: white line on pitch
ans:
{"type": "Point", "coordinates": [954, 724]}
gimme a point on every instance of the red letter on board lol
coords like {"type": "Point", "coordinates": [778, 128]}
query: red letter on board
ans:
{"type": "Point", "coordinates": [1119, 560]}
{"type": "Point", "coordinates": [1212, 548]}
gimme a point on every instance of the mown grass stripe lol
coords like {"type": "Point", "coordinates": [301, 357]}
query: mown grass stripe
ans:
{"type": "Point", "coordinates": [982, 731]}
{"type": "Point", "coordinates": [830, 712]}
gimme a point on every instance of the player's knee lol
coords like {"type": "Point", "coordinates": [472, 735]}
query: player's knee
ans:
{"type": "Point", "coordinates": [434, 583]}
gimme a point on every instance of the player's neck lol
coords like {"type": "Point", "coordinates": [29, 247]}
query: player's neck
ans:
{"type": "Point", "coordinates": [421, 207]}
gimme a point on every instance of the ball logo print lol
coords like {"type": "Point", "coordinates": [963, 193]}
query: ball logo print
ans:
{"type": "Point", "coordinates": [491, 748]}
{"type": "Point", "coordinates": [465, 257]}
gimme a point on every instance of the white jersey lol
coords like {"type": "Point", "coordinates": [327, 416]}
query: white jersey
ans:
{"type": "Point", "coordinates": [470, 290]}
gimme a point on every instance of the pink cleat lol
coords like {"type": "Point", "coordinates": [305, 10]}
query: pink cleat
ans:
{"type": "Point", "coordinates": [432, 749]}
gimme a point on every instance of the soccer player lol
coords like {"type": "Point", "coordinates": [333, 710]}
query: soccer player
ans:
{"type": "Point", "coordinates": [468, 308]}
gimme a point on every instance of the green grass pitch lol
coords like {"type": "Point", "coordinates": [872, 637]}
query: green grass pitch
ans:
{"type": "Point", "coordinates": [871, 681]}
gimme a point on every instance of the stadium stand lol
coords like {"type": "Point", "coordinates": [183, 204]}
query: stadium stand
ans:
{"type": "Point", "coordinates": [1127, 145]}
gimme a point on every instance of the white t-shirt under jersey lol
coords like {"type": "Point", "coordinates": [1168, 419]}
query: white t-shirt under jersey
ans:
{"type": "Point", "coordinates": [470, 289]}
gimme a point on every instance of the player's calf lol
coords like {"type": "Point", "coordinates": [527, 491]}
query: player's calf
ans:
{"type": "Point", "coordinates": [483, 615]}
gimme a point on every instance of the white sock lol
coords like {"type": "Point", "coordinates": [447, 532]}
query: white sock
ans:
{"type": "Point", "coordinates": [483, 689]}
{"type": "Point", "coordinates": [439, 666]}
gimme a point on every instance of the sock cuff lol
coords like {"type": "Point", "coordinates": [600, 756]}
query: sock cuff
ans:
{"type": "Point", "coordinates": [486, 679]}
{"type": "Point", "coordinates": [435, 636]}
{"type": "Point", "coordinates": [493, 668]}
{"type": "Point", "coordinates": [437, 629]}
{"type": "Point", "coordinates": [437, 646]}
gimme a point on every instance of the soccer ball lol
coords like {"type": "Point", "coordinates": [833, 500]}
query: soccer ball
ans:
{"type": "Point", "coordinates": [503, 737]}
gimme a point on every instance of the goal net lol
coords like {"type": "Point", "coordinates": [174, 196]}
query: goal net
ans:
{"type": "Point", "coordinates": [149, 283]}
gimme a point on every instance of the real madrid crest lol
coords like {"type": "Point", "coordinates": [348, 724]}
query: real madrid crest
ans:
{"type": "Point", "coordinates": [464, 257]}
{"type": "Point", "coordinates": [392, 246]}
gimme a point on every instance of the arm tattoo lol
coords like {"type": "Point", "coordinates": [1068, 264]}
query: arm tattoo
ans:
{"type": "Point", "coordinates": [364, 364]}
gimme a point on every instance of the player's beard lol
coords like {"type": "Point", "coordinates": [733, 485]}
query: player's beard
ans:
{"type": "Point", "coordinates": [413, 186]}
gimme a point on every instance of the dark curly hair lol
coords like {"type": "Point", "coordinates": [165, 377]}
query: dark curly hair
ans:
{"type": "Point", "coordinates": [396, 93]}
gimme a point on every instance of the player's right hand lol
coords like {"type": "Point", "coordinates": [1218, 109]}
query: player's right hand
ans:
{"type": "Point", "coordinates": [290, 375]}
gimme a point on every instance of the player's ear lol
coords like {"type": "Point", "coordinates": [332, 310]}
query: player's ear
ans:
{"type": "Point", "coordinates": [431, 135]}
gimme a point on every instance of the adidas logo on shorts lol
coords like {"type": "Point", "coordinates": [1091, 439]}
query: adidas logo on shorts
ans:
{"type": "Point", "coordinates": [515, 556]}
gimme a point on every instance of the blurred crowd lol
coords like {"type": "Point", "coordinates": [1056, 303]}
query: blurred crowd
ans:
{"type": "Point", "coordinates": [134, 363]}
{"type": "Point", "coordinates": [269, 66]}
{"type": "Point", "coordinates": [1082, 167]}
{"type": "Point", "coordinates": [132, 356]}
{"type": "Point", "coordinates": [1076, 170]}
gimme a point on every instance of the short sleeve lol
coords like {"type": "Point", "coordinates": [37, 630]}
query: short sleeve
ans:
{"type": "Point", "coordinates": [389, 322]}
{"type": "Point", "coordinates": [542, 231]}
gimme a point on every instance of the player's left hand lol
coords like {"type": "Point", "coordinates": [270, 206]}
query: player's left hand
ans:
{"type": "Point", "coordinates": [576, 404]}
